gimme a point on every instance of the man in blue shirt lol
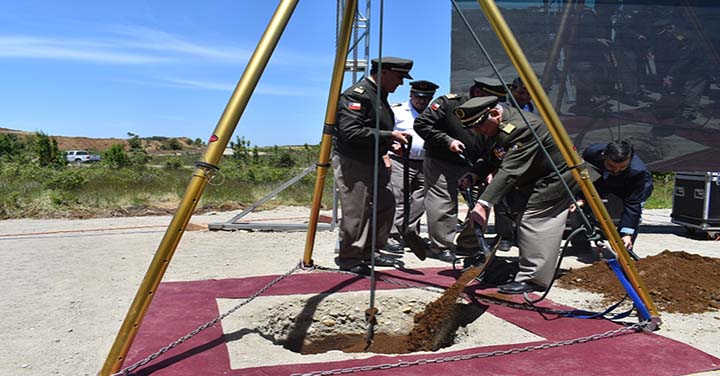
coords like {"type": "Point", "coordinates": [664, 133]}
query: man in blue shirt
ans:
{"type": "Point", "coordinates": [624, 175]}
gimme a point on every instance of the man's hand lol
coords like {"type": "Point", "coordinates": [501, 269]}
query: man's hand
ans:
{"type": "Point", "coordinates": [573, 207]}
{"type": "Point", "coordinates": [396, 148]}
{"type": "Point", "coordinates": [457, 146]}
{"type": "Point", "coordinates": [387, 162]}
{"type": "Point", "coordinates": [467, 180]}
{"type": "Point", "coordinates": [627, 240]}
{"type": "Point", "coordinates": [400, 137]}
{"type": "Point", "coordinates": [479, 215]}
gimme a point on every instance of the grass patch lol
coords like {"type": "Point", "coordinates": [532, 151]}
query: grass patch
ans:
{"type": "Point", "coordinates": [31, 191]}
{"type": "Point", "coordinates": [662, 196]}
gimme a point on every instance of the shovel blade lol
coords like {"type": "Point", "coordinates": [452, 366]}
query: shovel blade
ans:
{"type": "Point", "coordinates": [416, 244]}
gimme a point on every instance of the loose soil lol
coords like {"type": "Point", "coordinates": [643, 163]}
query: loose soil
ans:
{"type": "Point", "coordinates": [678, 282]}
{"type": "Point", "coordinates": [434, 328]}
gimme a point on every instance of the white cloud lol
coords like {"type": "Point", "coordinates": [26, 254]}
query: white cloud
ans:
{"type": "Point", "coordinates": [262, 89]}
{"type": "Point", "coordinates": [141, 45]}
{"type": "Point", "coordinates": [156, 40]}
{"type": "Point", "coordinates": [64, 49]}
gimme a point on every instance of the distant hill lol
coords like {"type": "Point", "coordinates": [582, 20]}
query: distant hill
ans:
{"type": "Point", "coordinates": [152, 144]}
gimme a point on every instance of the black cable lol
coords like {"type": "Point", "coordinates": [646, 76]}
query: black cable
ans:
{"type": "Point", "coordinates": [573, 234]}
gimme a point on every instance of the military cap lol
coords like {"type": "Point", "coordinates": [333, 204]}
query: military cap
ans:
{"type": "Point", "coordinates": [396, 64]}
{"type": "Point", "coordinates": [490, 85]}
{"type": "Point", "coordinates": [423, 88]}
{"type": "Point", "coordinates": [473, 112]}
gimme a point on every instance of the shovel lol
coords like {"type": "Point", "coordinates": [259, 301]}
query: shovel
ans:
{"type": "Point", "coordinates": [434, 327]}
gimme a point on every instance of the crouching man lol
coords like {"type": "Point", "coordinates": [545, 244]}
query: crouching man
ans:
{"type": "Point", "coordinates": [521, 164]}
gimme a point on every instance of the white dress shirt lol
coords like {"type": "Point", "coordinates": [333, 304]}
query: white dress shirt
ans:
{"type": "Point", "coordinates": [405, 115]}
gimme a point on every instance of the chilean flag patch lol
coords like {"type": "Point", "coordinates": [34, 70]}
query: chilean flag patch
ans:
{"type": "Point", "coordinates": [355, 106]}
{"type": "Point", "coordinates": [435, 106]}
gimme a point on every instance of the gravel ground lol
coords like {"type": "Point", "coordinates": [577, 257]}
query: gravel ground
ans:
{"type": "Point", "coordinates": [68, 283]}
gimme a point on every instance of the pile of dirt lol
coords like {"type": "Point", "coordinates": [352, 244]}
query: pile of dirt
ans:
{"type": "Point", "coordinates": [434, 327]}
{"type": "Point", "coordinates": [678, 282]}
{"type": "Point", "coordinates": [152, 145]}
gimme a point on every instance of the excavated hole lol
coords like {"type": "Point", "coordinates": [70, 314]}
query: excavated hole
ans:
{"type": "Point", "coordinates": [322, 323]}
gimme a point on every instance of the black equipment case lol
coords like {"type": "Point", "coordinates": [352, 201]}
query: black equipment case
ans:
{"type": "Point", "coordinates": [696, 200]}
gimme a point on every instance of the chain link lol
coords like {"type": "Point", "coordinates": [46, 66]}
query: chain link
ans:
{"type": "Point", "coordinates": [151, 357]}
{"type": "Point", "coordinates": [438, 290]}
{"type": "Point", "coordinates": [420, 362]}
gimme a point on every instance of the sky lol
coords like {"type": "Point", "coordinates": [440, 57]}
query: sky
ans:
{"type": "Point", "coordinates": [168, 68]}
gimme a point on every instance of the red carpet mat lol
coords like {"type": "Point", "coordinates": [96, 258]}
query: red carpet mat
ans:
{"type": "Point", "coordinates": [181, 307]}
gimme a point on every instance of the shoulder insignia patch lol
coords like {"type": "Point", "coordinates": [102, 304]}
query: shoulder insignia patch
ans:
{"type": "Point", "coordinates": [435, 106]}
{"type": "Point", "coordinates": [499, 152]}
{"type": "Point", "coordinates": [507, 128]}
{"type": "Point", "coordinates": [452, 96]}
{"type": "Point", "coordinates": [355, 106]}
{"type": "Point", "coordinates": [359, 90]}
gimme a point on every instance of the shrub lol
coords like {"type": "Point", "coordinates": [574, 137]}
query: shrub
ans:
{"type": "Point", "coordinates": [10, 146]}
{"type": "Point", "coordinates": [285, 160]}
{"type": "Point", "coordinates": [171, 144]}
{"type": "Point", "coordinates": [65, 180]}
{"type": "Point", "coordinates": [139, 158]}
{"type": "Point", "coordinates": [116, 157]}
{"type": "Point", "coordinates": [173, 163]}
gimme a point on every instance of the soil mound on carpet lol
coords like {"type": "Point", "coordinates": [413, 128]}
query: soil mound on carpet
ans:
{"type": "Point", "coordinates": [678, 282]}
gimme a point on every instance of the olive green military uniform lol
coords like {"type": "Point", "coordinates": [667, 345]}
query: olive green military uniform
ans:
{"type": "Point", "coordinates": [353, 161]}
{"type": "Point", "coordinates": [442, 168]}
{"type": "Point", "coordinates": [521, 164]}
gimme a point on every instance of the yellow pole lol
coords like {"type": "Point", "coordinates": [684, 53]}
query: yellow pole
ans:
{"type": "Point", "coordinates": [564, 143]}
{"type": "Point", "coordinates": [203, 172]}
{"type": "Point", "coordinates": [326, 143]}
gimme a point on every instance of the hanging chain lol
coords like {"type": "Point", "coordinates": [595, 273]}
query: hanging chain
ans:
{"type": "Point", "coordinates": [611, 333]}
{"type": "Point", "coordinates": [403, 364]}
{"type": "Point", "coordinates": [151, 357]}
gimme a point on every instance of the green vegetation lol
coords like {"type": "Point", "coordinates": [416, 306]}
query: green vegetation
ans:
{"type": "Point", "coordinates": [36, 182]}
{"type": "Point", "coordinates": [32, 185]}
{"type": "Point", "coordinates": [664, 185]}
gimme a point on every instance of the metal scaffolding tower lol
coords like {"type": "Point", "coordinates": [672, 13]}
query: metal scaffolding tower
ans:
{"type": "Point", "coordinates": [361, 37]}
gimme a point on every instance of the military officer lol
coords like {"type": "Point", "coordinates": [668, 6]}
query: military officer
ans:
{"type": "Point", "coordinates": [421, 93]}
{"type": "Point", "coordinates": [521, 164]}
{"type": "Point", "coordinates": [449, 148]}
{"type": "Point", "coordinates": [354, 162]}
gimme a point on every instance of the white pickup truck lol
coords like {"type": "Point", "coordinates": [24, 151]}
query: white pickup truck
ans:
{"type": "Point", "coordinates": [81, 156]}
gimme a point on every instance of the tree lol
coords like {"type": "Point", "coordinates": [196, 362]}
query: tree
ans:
{"type": "Point", "coordinates": [134, 141]}
{"type": "Point", "coordinates": [46, 151]}
{"type": "Point", "coordinates": [240, 149]}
